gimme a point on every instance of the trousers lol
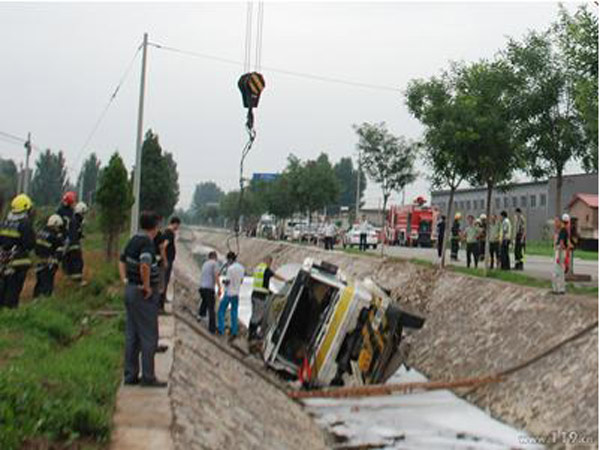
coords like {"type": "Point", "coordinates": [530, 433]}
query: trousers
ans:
{"type": "Point", "coordinates": [234, 301]}
{"type": "Point", "coordinates": [207, 304]}
{"type": "Point", "coordinates": [44, 274]}
{"type": "Point", "coordinates": [141, 333]}
{"type": "Point", "coordinates": [494, 254]}
{"type": "Point", "coordinates": [504, 255]}
{"type": "Point", "coordinates": [72, 264]}
{"type": "Point", "coordinates": [11, 286]}
{"type": "Point", "coordinates": [472, 250]}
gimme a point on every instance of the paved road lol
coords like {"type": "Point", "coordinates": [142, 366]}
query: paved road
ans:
{"type": "Point", "coordinates": [536, 266]}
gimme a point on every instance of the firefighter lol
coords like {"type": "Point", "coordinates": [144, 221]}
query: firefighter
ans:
{"type": "Point", "coordinates": [73, 255]}
{"type": "Point", "coordinates": [455, 238]}
{"type": "Point", "coordinates": [441, 230]}
{"type": "Point", "coordinates": [471, 235]}
{"type": "Point", "coordinates": [260, 290]}
{"type": "Point", "coordinates": [520, 236]}
{"type": "Point", "coordinates": [505, 234]}
{"type": "Point", "coordinates": [66, 210]}
{"type": "Point", "coordinates": [17, 239]}
{"type": "Point", "coordinates": [47, 248]}
{"type": "Point", "coordinates": [494, 241]}
{"type": "Point", "coordinates": [482, 235]}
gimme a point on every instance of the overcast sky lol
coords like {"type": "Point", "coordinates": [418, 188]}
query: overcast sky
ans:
{"type": "Point", "coordinates": [61, 62]}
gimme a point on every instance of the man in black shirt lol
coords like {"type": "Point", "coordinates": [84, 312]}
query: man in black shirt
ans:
{"type": "Point", "coordinates": [139, 271]}
{"type": "Point", "coordinates": [169, 237]}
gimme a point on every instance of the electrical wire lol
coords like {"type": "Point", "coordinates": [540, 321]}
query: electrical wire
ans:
{"type": "Point", "coordinates": [248, 48]}
{"type": "Point", "coordinates": [259, 33]}
{"type": "Point", "coordinates": [106, 107]}
{"type": "Point", "coordinates": [322, 78]}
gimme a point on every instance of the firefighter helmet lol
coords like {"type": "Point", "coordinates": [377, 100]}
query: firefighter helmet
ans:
{"type": "Point", "coordinates": [81, 208]}
{"type": "Point", "coordinates": [69, 198]}
{"type": "Point", "coordinates": [21, 203]}
{"type": "Point", "coordinates": [55, 221]}
{"type": "Point", "coordinates": [457, 216]}
{"type": "Point", "coordinates": [565, 217]}
{"type": "Point", "coordinates": [482, 216]}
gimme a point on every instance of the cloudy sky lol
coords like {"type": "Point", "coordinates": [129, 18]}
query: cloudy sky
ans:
{"type": "Point", "coordinates": [61, 63]}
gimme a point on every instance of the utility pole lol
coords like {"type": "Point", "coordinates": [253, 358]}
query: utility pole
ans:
{"type": "Point", "coordinates": [26, 176]}
{"type": "Point", "coordinates": [358, 187]}
{"type": "Point", "coordinates": [135, 209]}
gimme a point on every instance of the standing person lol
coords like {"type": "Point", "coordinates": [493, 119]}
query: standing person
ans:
{"type": "Point", "coordinates": [482, 235]}
{"type": "Point", "coordinates": [171, 252]}
{"type": "Point", "coordinates": [73, 252]}
{"type": "Point", "coordinates": [505, 235]}
{"type": "Point", "coordinates": [441, 231]}
{"type": "Point", "coordinates": [139, 272]}
{"type": "Point", "coordinates": [520, 236]}
{"type": "Point", "coordinates": [161, 261]}
{"type": "Point", "coordinates": [49, 241]}
{"type": "Point", "coordinates": [209, 280]}
{"type": "Point", "coordinates": [329, 231]}
{"type": "Point", "coordinates": [260, 290]}
{"type": "Point", "coordinates": [66, 210]}
{"type": "Point", "coordinates": [17, 239]}
{"type": "Point", "coordinates": [363, 228]}
{"type": "Point", "coordinates": [561, 248]}
{"type": "Point", "coordinates": [455, 238]}
{"type": "Point", "coordinates": [494, 241]}
{"type": "Point", "coordinates": [471, 235]}
{"type": "Point", "coordinates": [233, 278]}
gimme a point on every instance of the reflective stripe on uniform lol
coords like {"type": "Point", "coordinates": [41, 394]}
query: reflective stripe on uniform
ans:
{"type": "Point", "coordinates": [20, 262]}
{"type": "Point", "coordinates": [9, 232]}
{"type": "Point", "coordinates": [259, 278]}
{"type": "Point", "coordinates": [43, 243]}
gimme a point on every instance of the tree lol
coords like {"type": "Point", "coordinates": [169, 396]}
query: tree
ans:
{"type": "Point", "coordinates": [577, 37]}
{"type": "Point", "coordinates": [9, 180]}
{"type": "Point", "coordinates": [159, 189]}
{"type": "Point", "coordinates": [347, 177]}
{"type": "Point", "coordinates": [88, 177]}
{"type": "Point", "coordinates": [387, 159]}
{"type": "Point", "coordinates": [447, 137]}
{"type": "Point", "coordinates": [114, 200]}
{"type": "Point", "coordinates": [50, 178]}
{"type": "Point", "coordinates": [547, 114]}
{"type": "Point", "coordinates": [489, 91]}
{"type": "Point", "coordinates": [205, 194]}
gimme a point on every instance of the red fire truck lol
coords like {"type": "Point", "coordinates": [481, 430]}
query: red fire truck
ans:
{"type": "Point", "coordinates": [412, 225]}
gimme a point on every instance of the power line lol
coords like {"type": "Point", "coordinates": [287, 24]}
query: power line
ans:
{"type": "Point", "coordinates": [323, 78]}
{"type": "Point", "coordinates": [105, 110]}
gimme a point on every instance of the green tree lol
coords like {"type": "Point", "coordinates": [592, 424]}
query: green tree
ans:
{"type": "Point", "coordinates": [114, 200]}
{"type": "Point", "coordinates": [50, 178]}
{"type": "Point", "coordinates": [159, 189]}
{"type": "Point", "coordinates": [347, 177]}
{"type": "Point", "coordinates": [88, 176]}
{"type": "Point", "coordinates": [447, 137]}
{"type": "Point", "coordinates": [577, 37]}
{"type": "Point", "coordinates": [387, 159]}
{"type": "Point", "coordinates": [547, 113]}
{"type": "Point", "coordinates": [9, 180]}
{"type": "Point", "coordinates": [231, 209]}
{"type": "Point", "coordinates": [206, 194]}
{"type": "Point", "coordinates": [489, 91]}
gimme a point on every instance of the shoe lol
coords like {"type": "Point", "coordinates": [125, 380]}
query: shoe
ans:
{"type": "Point", "coordinates": [131, 382]}
{"type": "Point", "coordinates": [153, 383]}
{"type": "Point", "coordinates": [161, 348]}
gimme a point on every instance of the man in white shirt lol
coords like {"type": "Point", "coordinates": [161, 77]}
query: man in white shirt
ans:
{"type": "Point", "coordinates": [329, 232]}
{"type": "Point", "coordinates": [233, 277]}
{"type": "Point", "coordinates": [363, 227]}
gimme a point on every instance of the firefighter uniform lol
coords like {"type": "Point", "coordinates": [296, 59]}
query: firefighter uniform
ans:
{"type": "Point", "coordinates": [72, 263]}
{"type": "Point", "coordinates": [47, 248]}
{"type": "Point", "coordinates": [520, 228]}
{"type": "Point", "coordinates": [455, 240]}
{"type": "Point", "coordinates": [505, 233]}
{"type": "Point", "coordinates": [260, 290]}
{"type": "Point", "coordinates": [17, 239]}
{"type": "Point", "coordinates": [495, 243]}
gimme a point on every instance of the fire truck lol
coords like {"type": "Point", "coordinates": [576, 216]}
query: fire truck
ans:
{"type": "Point", "coordinates": [412, 225]}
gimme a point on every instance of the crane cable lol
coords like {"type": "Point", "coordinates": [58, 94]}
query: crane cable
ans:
{"type": "Point", "coordinates": [251, 85]}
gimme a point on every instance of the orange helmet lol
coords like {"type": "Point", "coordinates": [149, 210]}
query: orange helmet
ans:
{"type": "Point", "coordinates": [69, 198]}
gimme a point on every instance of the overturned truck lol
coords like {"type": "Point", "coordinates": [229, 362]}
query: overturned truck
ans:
{"type": "Point", "coordinates": [347, 332]}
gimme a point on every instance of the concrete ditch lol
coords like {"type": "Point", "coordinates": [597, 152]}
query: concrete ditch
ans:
{"type": "Point", "coordinates": [545, 345]}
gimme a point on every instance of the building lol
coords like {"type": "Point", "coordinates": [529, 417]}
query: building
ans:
{"type": "Point", "coordinates": [536, 199]}
{"type": "Point", "coordinates": [584, 207]}
{"type": "Point", "coordinates": [373, 215]}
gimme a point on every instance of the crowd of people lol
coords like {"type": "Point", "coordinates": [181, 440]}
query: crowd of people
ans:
{"type": "Point", "coordinates": [504, 234]}
{"type": "Point", "coordinates": [57, 242]}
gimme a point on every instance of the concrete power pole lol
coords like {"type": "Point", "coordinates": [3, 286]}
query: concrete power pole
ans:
{"type": "Point", "coordinates": [26, 174]}
{"type": "Point", "coordinates": [135, 209]}
{"type": "Point", "coordinates": [358, 187]}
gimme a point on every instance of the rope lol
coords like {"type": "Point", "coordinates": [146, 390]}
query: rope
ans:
{"type": "Point", "coordinates": [248, 48]}
{"type": "Point", "coordinates": [259, 33]}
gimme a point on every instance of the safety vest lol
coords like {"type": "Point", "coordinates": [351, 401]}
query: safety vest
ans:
{"type": "Point", "coordinates": [259, 279]}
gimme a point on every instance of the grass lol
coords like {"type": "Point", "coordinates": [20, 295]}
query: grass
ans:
{"type": "Point", "coordinates": [545, 248]}
{"type": "Point", "coordinates": [60, 365]}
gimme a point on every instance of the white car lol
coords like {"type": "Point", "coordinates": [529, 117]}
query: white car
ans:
{"type": "Point", "coordinates": [352, 237]}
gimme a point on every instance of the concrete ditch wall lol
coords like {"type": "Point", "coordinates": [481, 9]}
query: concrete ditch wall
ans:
{"type": "Point", "coordinates": [478, 327]}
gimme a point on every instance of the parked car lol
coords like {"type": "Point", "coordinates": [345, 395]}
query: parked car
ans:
{"type": "Point", "coordinates": [349, 332]}
{"type": "Point", "coordinates": [352, 237]}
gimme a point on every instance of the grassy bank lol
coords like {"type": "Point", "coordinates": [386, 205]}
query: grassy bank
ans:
{"type": "Point", "coordinates": [60, 362]}
{"type": "Point", "coordinates": [545, 248]}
